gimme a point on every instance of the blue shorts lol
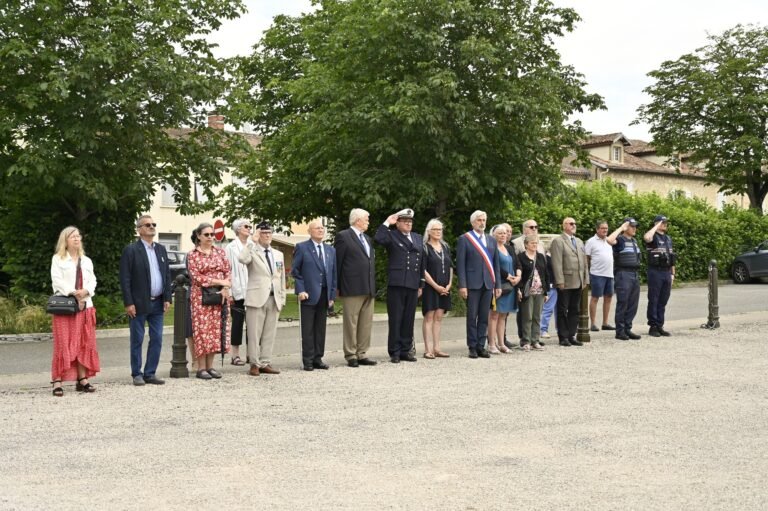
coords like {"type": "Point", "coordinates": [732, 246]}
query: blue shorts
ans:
{"type": "Point", "coordinates": [601, 286]}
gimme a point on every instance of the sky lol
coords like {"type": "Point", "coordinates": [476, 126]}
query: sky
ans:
{"type": "Point", "coordinates": [614, 46]}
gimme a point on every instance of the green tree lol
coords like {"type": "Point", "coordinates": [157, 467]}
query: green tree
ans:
{"type": "Point", "coordinates": [91, 94]}
{"type": "Point", "coordinates": [439, 105]}
{"type": "Point", "coordinates": [712, 104]}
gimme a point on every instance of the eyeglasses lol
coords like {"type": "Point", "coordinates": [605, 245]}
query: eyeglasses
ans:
{"type": "Point", "coordinates": [247, 227]}
{"type": "Point", "coordinates": [207, 234]}
{"type": "Point", "coordinates": [571, 223]}
{"type": "Point", "coordinates": [534, 227]}
{"type": "Point", "coordinates": [149, 225]}
{"type": "Point", "coordinates": [436, 229]}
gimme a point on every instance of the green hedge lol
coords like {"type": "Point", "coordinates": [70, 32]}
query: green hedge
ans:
{"type": "Point", "coordinates": [699, 232]}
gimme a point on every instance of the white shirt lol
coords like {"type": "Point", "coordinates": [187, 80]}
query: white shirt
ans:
{"type": "Point", "coordinates": [239, 276]}
{"type": "Point", "coordinates": [64, 273]}
{"type": "Point", "coordinates": [601, 254]}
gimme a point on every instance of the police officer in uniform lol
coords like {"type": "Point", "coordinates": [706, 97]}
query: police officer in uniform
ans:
{"type": "Point", "coordinates": [405, 279]}
{"type": "Point", "coordinates": [626, 263]}
{"type": "Point", "coordinates": [661, 273]}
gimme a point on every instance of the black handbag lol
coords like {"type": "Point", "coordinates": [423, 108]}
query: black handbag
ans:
{"type": "Point", "coordinates": [62, 305]}
{"type": "Point", "coordinates": [506, 288]}
{"type": "Point", "coordinates": [212, 295]}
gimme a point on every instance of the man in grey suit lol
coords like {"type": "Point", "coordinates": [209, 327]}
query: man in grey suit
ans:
{"type": "Point", "coordinates": [569, 265]}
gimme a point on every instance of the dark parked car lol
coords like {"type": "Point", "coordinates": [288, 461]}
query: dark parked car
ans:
{"type": "Point", "coordinates": [178, 262]}
{"type": "Point", "coordinates": [751, 264]}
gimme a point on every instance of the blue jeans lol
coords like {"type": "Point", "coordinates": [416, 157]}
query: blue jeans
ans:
{"type": "Point", "coordinates": [549, 308]}
{"type": "Point", "coordinates": [155, 320]}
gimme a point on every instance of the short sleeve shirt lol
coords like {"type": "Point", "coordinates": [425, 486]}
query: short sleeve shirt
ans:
{"type": "Point", "coordinates": [601, 254]}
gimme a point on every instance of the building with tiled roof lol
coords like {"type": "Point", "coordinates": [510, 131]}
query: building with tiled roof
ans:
{"type": "Point", "coordinates": [635, 165]}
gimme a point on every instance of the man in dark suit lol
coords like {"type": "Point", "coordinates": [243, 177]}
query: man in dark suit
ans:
{"type": "Point", "coordinates": [145, 279]}
{"type": "Point", "coordinates": [356, 265]}
{"type": "Point", "coordinates": [405, 278]}
{"type": "Point", "coordinates": [477, 265]}
{"type": "Point", "coordinates": [314, 270]}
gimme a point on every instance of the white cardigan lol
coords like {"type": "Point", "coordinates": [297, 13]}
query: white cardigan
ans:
{"type": "Point", "coordinates": [239, 270]}
{"type": "Point", "coordinates": [64, 273]}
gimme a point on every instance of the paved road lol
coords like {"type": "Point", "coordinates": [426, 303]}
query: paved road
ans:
{"type": "Point", "coordinates": [686, 303]}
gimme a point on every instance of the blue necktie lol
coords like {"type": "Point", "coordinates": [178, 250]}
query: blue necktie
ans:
{"type": "Point", "coordinates": [365, 245]}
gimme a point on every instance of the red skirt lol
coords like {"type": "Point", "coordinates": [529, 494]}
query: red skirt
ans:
{"type": "Point", "coordinates": [74, 340]}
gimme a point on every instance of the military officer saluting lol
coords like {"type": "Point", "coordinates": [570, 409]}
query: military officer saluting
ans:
{"type": "Point", "coordinates": [661, 273]}
{"type": "Point", "coordinates": [405, 279]}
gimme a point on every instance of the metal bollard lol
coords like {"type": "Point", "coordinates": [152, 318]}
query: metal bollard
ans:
{"type": "Point", "coordinates": [582, 333]}
{"type": "Point", "coordinates": [713, 320]}
{"type": "Point", "coordinates": [179, 361]}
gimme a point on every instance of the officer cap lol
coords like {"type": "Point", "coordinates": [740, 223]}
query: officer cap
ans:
{"type": "Point", "coordinates": [405, 213]}
{"type": "Point", "coordinates": [631, 221]}
{"type": "Point", "coordinates": [264, 226]}
{"type": "Point", "coordinates": [659, 218]}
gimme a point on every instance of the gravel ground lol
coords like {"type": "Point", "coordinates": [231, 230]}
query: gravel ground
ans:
{"type": "Point", "coordinates": [671, 423]}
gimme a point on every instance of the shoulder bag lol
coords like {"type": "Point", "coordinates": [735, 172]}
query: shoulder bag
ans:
{"type": "Point", "coordinates": [212, 295]}
{"type": "Point", "coordinates": [60, 305]}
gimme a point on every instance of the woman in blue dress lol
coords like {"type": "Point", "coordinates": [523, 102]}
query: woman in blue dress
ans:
{"type": "Point", "coordinates": [507, 302]}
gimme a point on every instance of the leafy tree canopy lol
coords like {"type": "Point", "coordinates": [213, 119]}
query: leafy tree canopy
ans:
{"type": "Point", "coordinates": [713, 105]}
{"type": "Point", "coordinates": [444, 106]}
{"type": "Point", "coordinates": [90, 95]}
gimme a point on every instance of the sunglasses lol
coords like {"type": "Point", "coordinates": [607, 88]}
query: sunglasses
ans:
{"type": "Point", "coordinates": [571, 223]}
{"type": "Point", "coordinates": [148, 225]}
{"type": "Point", "coordinates": [247, 227]}
{"type": "Point", "coordinates": [207, 234]}
{"type": "Point", "coordinates": [534, 227]}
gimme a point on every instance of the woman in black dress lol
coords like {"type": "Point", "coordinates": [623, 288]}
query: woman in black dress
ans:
{"type": "Point", "coordinates": [436, 298]}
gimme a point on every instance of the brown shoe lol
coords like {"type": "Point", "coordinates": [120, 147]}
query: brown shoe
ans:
{"type": "Point", "coordinates": [269, 370]}
{"type": "Point", "coordinates": [254, 370]}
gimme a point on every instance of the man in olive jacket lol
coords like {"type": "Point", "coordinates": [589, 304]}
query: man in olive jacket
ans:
{"type": "Point", "coordinates": [569, 265]}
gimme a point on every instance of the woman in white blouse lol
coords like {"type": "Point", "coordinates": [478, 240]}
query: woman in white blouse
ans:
{"type": "Point", "coordinates": [242, 229]}
{"type": "Point", "coordinates": [75, 354]}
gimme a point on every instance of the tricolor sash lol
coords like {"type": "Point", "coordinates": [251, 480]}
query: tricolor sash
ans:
{"type": "Point", "coordinates": [483, 253]}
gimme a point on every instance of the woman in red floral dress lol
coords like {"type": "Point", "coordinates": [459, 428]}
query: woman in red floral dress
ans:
{"type": "Point", "coordinates": [208, 266]}
{"type": "Point", "coordinates": [75, 355]}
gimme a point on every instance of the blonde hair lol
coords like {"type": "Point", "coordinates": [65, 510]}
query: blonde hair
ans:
{"type": "Point", "coordinates": [431, 225]}
{"type": "Point", "coordinates": [61, 245]}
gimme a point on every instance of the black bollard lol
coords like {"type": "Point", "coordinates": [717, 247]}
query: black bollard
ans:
{"type": "Point", "coordinates": [582, 332]}
{"type": "Point", "coordinates": [179, 361]}
{"type": "Point", "coordinates": [713, 320]}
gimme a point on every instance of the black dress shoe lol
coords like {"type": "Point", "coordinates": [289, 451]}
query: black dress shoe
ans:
{"type": "Point", "coordinates": [320, 365]}
{"type": "Point", "coordinates": [575, 342]}
{"type": "Point", "coordinates": [394, 360]}
{"type": "Point", "coordinates": [622, 336]}
{"type": "Point", "coordinates": [408, 358]}
{"type": "Point", "coordinates": [309, 368]}
{"type": "Point", "coordinates": [564, 343]}
{"type": "Point", "coordinates": [154, 380]}
{"type": "Point", "coordinates": [353, 362]}
{"type": "Point", "coordinates": [608, 327]}
{"type": "Point", "coordinates": [632, 335]}
{"type": "Point", "coordinates": [483, 353]}
{"type": "Point", "coordinates": [367, 362]}
{"type": "Point", "coordinates": [654, 331]}
{"type": "Point", "coordinates": [472, 353]}
{"type": "Point", "coordinates": [663, 332]}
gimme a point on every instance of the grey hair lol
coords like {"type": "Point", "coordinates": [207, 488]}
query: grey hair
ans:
{"type": "Point", "coordinates": [356, 214]}
{"type": "Point", "coordinates": [476, 214]}
{"type": "Point", "coordinates": [142, 217]}
{"type": "Point", "coordinates": [525, 224]}
{"type": "Point", "coordinates": [430, 225]}
{"type": "Point", "coordinates": [529, 238]}
{"type": "Point", "coordinates": [237, 224]}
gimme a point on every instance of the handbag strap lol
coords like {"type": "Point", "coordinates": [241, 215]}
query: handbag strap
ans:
{"type": "Point", "coordinates": [79, 275]}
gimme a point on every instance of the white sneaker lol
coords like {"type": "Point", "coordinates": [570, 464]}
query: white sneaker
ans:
{"type": "Point", "coordinates": [545, 335]}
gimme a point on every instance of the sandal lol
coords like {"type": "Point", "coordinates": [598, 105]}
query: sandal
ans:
{"type": "Point", "coordinates": [504, 349]}
{"type": "Point", "coordinates": [84, 388]}
{"type": "Point", "coordinates": [441, 354]}
{"type": "Point", "coordinates": [538, 347]}
{"type": "Point", "coordinates": [57, 391]}
{"type": "Point", "coordinates": [236, 361]}
{"type": "Point", "coordinates": [429, 355]}
{"type": "Point", "coordinates": [526, 347]}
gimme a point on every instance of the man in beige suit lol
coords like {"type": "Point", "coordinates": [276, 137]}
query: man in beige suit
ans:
{"type": "Point", "coordinates": [264, 298]}
{"type": "Point", "coordinates": [569, 265]}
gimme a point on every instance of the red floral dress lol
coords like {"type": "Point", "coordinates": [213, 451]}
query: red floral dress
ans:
{"type": "Point", "coordinates": [207, 319]}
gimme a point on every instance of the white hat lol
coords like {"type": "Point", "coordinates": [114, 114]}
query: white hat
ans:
{"type": "Point", "coordinates": [405, 213]}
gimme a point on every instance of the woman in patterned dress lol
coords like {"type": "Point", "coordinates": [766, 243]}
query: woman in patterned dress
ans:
{"type": "Point", "coordinates": [208, 266]}
{"type": "Point", "coordinates": [75, 354]}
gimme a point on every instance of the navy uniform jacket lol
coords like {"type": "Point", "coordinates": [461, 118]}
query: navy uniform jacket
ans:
{"type": "Point", "coordinates": [308, 272]}
{"type": "Point", "coordinates": [135, 278]}
{"type": "Point", "coordinates": [406, 259]}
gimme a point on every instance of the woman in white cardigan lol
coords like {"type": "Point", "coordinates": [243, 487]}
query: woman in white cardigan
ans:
{"type": "Point", "coordinates": [75, 354]}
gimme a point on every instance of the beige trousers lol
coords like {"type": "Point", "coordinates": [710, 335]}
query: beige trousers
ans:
{"type": "Point", "coordinates": [261, 327]}
{"type": "Point", "coordinates": [358, 322]}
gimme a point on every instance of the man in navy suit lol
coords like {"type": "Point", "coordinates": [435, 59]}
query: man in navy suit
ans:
{"type": "Point", "coordinates": [314, 270]}
{"type": "Point", "coordinates": [356, 265]}
{"type": "Point", "coordinates": [477, 266]}
{"type": "Point", "coordinates": [405, 278]}
{"type": "Point", "coordinates": [145, 279]}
